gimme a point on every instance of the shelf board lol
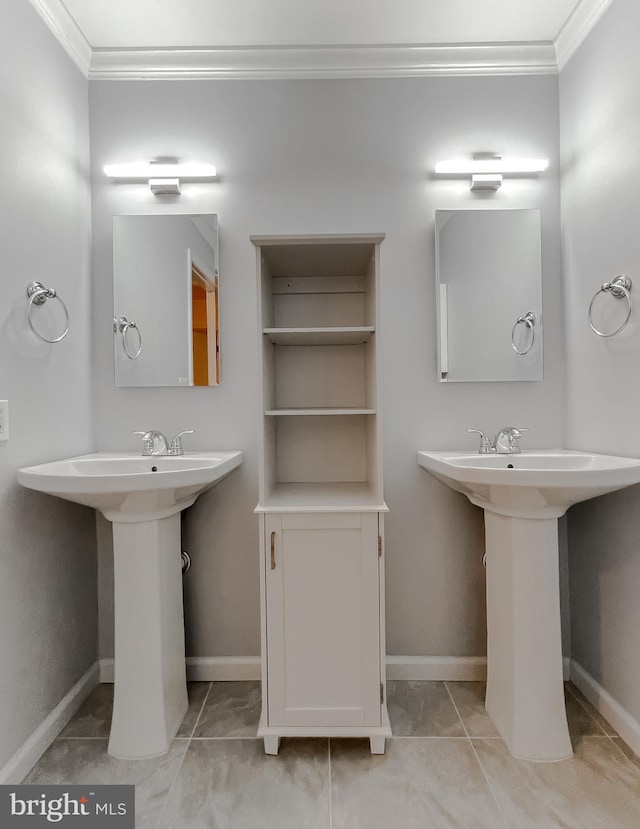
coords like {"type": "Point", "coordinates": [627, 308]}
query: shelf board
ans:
{"type": "Point", "coordinates": [322, 497]}
{"type": "Point", "coordinates": [320, 336]}
{"type": "Point", "coordinates": [317, 411]}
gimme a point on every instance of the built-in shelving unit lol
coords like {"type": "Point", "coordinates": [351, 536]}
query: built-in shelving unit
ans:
{"type": "Point", "coordinates": [319, 317]}
{"type": "Point", "coordinates": [321, 501]}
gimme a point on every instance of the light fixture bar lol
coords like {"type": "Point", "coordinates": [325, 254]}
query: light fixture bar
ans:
{"type": "Point", "coordinates": [145, 170]}
{"type": "Point", "coordinates": [469, 166]}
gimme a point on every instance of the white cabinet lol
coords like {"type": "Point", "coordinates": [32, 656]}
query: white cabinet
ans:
{"type": "Point", "coordinates": [321, 499]}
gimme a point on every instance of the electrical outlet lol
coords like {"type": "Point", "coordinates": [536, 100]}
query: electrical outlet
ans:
{"type": "Point", "coordinates": [4, 420]}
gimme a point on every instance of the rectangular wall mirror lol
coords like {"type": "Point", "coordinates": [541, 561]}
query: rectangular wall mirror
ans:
{"type": "Point", "coordinates": [166, 300]}
{"type": "Point", "coordinates": [489, 295]}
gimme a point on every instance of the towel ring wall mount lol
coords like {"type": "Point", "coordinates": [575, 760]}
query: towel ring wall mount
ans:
{"type": "Point", "coordinates": [620, 288]}
{"type": "Point", "coordinates": [123, 325]}
{"type": "Point", "coordinates": [38, 295]}
{"type": "Point", "coordinates": [529, 319]}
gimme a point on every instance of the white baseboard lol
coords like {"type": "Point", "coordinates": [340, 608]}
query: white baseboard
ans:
{"type": "Point", "coordinates": [624, 723]}
{"type": "Point", "coordinates": [207, 668]}
{"type": "Point", "coordinates": [448, 668]}
{"type": "Point", "coordinates": [469, 668]}
{"type": "Point", "coordinates": [32, 750]}
{"type": "Point", "coordinates": [239, 668]}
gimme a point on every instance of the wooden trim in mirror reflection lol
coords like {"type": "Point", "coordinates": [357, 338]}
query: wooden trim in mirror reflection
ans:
{"type": "Point", "coordinates": [205, 329]}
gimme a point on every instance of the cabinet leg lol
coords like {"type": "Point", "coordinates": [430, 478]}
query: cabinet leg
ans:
{"type": "Point", "coordinates": [271, 745]}
{"type": "Point", "coordinates": [377, 745]}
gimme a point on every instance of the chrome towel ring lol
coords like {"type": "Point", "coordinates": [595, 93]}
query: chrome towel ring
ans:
{"type": "Point", "coordinates": [123, 325]}
{"type": "Point", "coordinates": [619, 287]}
{"type": "Point", "coordinates": [529, 319]}
{"type": "Point", "coordinates": [38, 295]}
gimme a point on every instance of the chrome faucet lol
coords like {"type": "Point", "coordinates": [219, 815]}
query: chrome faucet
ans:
{"type": "Point", "coordinates": [485, 442]}
{"type": "Point", "coordinates": [155, 443]}
{"type": "Point", "coordinates": [176, 443]}
{"type": "Point", "coordinates": [504, 443]}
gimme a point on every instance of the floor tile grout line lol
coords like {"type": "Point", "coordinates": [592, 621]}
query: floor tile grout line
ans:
{"type": "Point", "coordinates": [613, 737]}
{"type": "Point", "coordinates": [184, 754]}
{"type": "Point", "coordinates": [175, 777]}
{"type": "Point", "coordinates": [254, 738]}
{"type": "Point", "coordinates": [330, 785]}
{"type": "Point", "coordinates": [450, 695]}
{"type": "Point", "coordinates": [204, 702]}
{"type": "Point", "coordinates": [477, 756]}
{"type": "Point", "coordinates": [63, 739]}
{"type": "Point", "coordinates": [619, 748]}
{"type": "Point", "coordinates": [584, 707]}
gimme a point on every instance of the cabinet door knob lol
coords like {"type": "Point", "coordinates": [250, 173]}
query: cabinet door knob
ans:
{"type": "Point", "coordinates": [273, 550]}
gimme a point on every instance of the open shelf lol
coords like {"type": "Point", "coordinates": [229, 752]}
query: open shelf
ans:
{"type": "Point", "coordinates": [336, 497]}
{"type": "Point", "coordinates": [343, 335]}
{"type": "Point", "coordinates": [318, 411]}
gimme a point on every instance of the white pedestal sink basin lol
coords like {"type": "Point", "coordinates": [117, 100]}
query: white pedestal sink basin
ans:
{"type": "Point", "coordinates": [523, 495]}
{"type": "Point", "coordinates": [143, 497]}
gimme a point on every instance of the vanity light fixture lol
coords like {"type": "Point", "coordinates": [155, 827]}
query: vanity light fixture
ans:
{"type": "Point", "coordinates": [163, 174]}
{"type": "Point", "coordinates": [486, 169]}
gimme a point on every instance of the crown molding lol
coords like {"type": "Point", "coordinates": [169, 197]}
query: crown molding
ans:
{"type": "Point", "coordinates": [324, 62]}
{"type": "Point", "coordinates": [577, 27]}
{"type": "Point", "coordinates": [66, 31]}
{"type": "Point", "coordinates": [374, 61]}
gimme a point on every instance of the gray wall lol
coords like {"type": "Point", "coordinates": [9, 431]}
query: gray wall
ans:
{"type": "Point", "coordinates": [331, 157]}
{"type": "Point", "coordinates": [48, 596]}
{"type": "Point", "coordinates": [600, 136]}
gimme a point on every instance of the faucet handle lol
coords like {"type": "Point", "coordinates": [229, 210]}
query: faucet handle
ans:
{"type": "Point", "coordinates": [176, 443]}
{"type": "Point", "coordinates": [147, 441]}
{"type": "Point", "coordinates": [485, 442]}
{"type": "Point", "coordinates": [514, 436]}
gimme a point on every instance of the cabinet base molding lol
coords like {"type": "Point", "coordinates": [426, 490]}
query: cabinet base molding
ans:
{"type": "Point", "coordinates": [376, 734]}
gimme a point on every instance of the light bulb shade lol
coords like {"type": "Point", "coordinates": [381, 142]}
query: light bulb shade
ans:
{"type": "Point", "coordinates": [144, 170]}
{"type": "Point", "coordinates": [469, 166]}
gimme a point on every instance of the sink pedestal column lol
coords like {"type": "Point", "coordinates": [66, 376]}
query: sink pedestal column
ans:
{"type": "Point", "coordinates": [150, 693]}
{"type": "Point", "coordinates": [525, 689]}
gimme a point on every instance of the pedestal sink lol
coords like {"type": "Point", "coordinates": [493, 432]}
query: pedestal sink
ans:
{"type": "Point", "coordinates": [522, 496]}
{"type": "Point", "coordinates": [143, 497]}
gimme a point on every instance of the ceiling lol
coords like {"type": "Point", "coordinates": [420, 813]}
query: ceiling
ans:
{"type": "Point", "coordinates": [151, 23]}
{"type": "Point", "coordinates": [318, 37]}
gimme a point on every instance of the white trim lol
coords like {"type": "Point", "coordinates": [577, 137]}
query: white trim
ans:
{"type": "Point", "coordinates": [469, 668]}
{"type": "Point", "coordinates": [325, 61]}
{"type": "Point", "coordinates": [577, 27]}
{"type": "Point", "coordinates": [624, 723]}
{"type": "Point", "coordinates": [446, 668]}
{"type": "Point", "coordinates": [35, 746]}
{"type": "Point", "coordinates": [242, 668]}
{"type": "Point", "coordinates": [67, 32]}
{"type": "Point", "coordinates": [223, 668]}
{"type": "Point", "coordinates": [106, 670]}
{"type": "Point", "coordinates": [206, 668]}
{"type": "Point", "coordinates": [355, 61]}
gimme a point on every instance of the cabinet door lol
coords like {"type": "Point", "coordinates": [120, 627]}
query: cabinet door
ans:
{"type": "Point", "coordinates": [323, 619]}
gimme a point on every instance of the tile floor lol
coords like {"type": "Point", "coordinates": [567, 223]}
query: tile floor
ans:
{"type": "Point", "coordinates": [444, 768]}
